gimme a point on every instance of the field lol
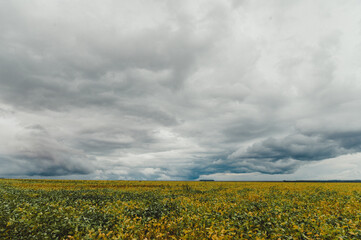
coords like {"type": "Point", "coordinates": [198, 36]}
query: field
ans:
{"type": "Point", "coordinates": [57, 209]}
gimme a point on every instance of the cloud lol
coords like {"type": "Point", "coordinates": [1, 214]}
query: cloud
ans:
{"type": "Point", "coordinates": [169, 90]}
{"type": "Point", "coordinates": [285, 154]}
{"type": "Point", "coordinates": [345, 167]}
{"type": "Point", "coordinates": [299, 147]}
{"type": "Point", "coordinates": [31, 150]}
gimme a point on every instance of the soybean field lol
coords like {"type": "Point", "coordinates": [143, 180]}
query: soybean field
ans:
{"type": "Point", "coordinates": [69, 209]}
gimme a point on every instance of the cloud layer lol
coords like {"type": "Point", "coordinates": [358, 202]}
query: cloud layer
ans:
{"type": "Point", "coordinates": [170, 90]}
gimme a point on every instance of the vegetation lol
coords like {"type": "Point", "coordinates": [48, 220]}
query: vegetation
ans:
{"type": "Point", "coordinates": [57, 209]}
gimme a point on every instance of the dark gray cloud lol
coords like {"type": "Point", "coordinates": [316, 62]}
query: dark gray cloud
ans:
{"type": "Point", "coordinates": [36, 152]}
{"type": "Point", "coordinates": [170, 90]}
{"type": "Point", "coordinates": [284, 155]}
{"type": "Point", "coordinates": [298, 147]}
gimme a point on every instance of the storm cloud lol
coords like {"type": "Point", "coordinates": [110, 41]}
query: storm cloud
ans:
{"type": "Point", "coordinates": [177, 90]}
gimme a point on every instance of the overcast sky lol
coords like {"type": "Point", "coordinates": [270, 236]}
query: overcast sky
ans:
{"type": "Point", "coordinates": [229, 90]}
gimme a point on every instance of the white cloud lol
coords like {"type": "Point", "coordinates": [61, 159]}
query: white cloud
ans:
{"type": "Point", "coordinates": [175, 90]}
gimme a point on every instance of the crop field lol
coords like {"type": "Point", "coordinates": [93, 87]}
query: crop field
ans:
{"type": "Point", "coordinates": [59, 209]}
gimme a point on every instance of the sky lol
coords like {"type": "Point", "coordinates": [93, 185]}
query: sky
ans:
{"type": "Point", "coordinates": [180, 90]}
